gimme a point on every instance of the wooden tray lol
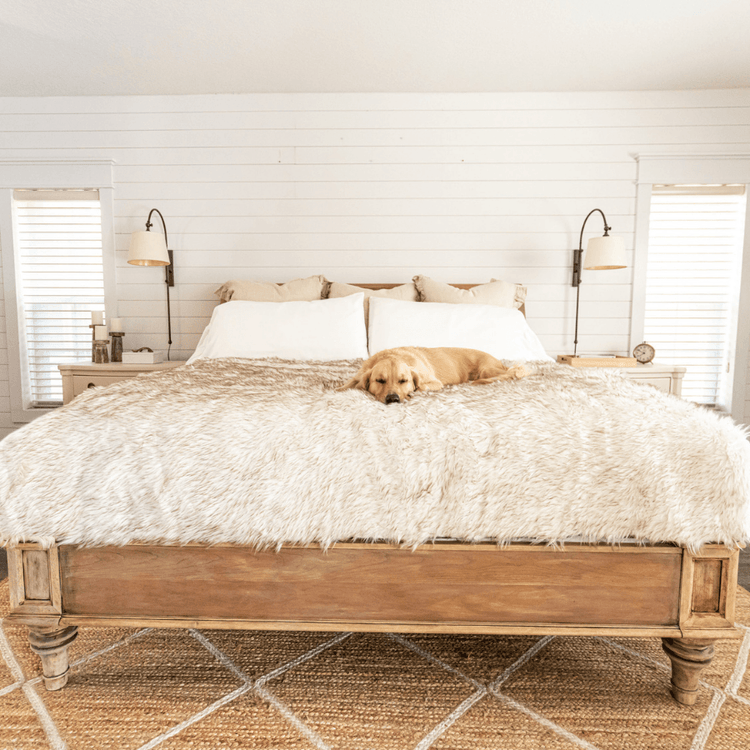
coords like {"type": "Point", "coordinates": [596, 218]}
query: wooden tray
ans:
{"type": "Point", "coordinates": [569, 359]}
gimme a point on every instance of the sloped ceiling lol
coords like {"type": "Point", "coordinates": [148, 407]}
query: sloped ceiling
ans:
{"type": "Point", "coordinates": [110, 47]}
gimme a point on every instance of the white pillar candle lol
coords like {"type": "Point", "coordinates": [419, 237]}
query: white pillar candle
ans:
{"type": "Point", "coordinates": [97, 318]}
{"type": "Point", "coordinates": [116, 325]}
{"type": "Point", "coordinates": [101, 333]}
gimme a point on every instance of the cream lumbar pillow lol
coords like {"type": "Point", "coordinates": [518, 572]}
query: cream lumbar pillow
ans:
{"type": "Point", "coordinates": [299, 290]}
{"type": "Point", "coordinates": [499, 293]}
{"type": "Point", "coordinates": [405, 292]}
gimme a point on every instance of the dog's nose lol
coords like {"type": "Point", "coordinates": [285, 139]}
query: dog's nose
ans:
{"type": "Point", "coordinates": [392, 398]}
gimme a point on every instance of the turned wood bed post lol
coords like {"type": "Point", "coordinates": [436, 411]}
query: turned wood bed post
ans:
{"type": "Point", "coordinates": [36, 600]}
{"type": "Point", "coordinates": [707, 597]}
{"type": "Point", "coordinates": [52, 648]}
{"type": "Point", "coordinates": [689, 656]}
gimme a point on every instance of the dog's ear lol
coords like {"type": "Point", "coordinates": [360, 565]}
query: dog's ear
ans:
{"type": "Point", "coordinates": [361, 380]}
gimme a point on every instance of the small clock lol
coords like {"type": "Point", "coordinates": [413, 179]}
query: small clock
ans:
{"type": "Point", "coordinates": [644, 353]}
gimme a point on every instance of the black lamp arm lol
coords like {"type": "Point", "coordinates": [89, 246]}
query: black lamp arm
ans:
{"type": "Point", "coordinates": [578, 254]}
{"type": "Point", "coordinates": [149, 224]}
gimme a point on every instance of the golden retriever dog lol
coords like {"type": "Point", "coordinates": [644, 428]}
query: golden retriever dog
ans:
{"type": "Point", "coordinates": [394, 374]}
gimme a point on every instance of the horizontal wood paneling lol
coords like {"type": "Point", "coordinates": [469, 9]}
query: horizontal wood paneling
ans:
{"type": "Point", "coordinates": [374, 188]}
{"type": "Point", "coordinates": [707, 99]}
{"type": "Point", "coordinates": [404, 172]}
{"type": "Point", "coordinates": [291, 207]}
{"type": "Point", "coordinates": [332, 153]}
{"type": "Point", "coordinates": [561, 121]}
{"type": "Point", "coordinates": [326, 191]}
{"type": "Point", "coordinates": [561, 241]}
{"type": "Point", "coordinates": [339, 138]}
{"type": "Point", "coordinates": [527, 262]}
{"type": "Point", "coordinates": [414, 224]}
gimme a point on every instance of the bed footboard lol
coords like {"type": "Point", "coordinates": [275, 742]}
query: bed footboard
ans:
{"type": "Point", "coordinates": [658, 590]}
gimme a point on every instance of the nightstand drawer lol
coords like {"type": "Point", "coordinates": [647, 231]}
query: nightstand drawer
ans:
{"type": "Point", "coordinates": [663, 383]}
{"type": "Point", "coordinates": [82, 382]}
{"type": "Point", "coordinates": [665, 378]}
{"type": "Point", "coordinates": [78, 376]}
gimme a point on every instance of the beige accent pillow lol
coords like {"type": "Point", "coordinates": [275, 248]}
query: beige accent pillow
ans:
{"type": "Point", "coordinates": [405, 292]}
{"type": "Point", "coordinates": [299, 290]}
{"type": "Point", "coordinates": [499, 293]}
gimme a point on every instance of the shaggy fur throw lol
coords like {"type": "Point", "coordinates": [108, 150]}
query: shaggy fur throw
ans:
{"type": "Point", "coordinates": [261, 452]}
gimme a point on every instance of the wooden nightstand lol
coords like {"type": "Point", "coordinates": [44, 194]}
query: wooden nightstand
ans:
{"type": "Point", "coordinates": [79, 376]}
{"type": "Point", "coordinates": [667, 378]}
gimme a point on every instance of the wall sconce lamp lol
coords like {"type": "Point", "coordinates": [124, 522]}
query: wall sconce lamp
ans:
{"type": "Point", "coordinates": [602, 253]}
{"type": "Point", "coordinates": [151, 249]}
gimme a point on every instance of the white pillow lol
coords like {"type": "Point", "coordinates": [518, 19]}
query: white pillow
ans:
{"type": "Point", "coordinates": [322, 330]}
{"type": "Point", "coordinates": [500, 331]}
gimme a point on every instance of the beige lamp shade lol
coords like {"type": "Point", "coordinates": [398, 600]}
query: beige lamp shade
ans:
{"type": "Point", "coordinates": [148, 249]}
{"type": "Point", "coordinates": [604, 253]}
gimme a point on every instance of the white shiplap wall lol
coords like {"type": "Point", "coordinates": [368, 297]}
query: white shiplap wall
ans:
{"type": "Point", "coordinates": [373, 188]}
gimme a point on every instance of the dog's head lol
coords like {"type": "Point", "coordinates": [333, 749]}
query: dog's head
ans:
{"type": "Point", "coordinates": [390, 380]}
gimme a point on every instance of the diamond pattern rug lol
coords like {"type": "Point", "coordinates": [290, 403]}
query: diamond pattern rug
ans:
{"type": "Point", "coordinates": [206, 690]}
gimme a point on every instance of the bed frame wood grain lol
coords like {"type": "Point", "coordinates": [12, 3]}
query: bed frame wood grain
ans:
{"type": "Point", "coordinates": [659, 590]}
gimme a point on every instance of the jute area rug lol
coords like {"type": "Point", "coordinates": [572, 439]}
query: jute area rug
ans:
{"type": "Point", "coordinates": [205, 690]}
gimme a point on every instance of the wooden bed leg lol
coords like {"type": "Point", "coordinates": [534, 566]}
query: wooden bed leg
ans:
{"type": "Point", "coordinates": [688, 656]}
{"type": "Point", "coordinates": [52, 647]}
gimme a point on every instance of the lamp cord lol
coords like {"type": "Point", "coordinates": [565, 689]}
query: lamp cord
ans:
{"type": "Point", "coordinates": [169, 322]}
{"type": "Point", "coordinates": [575, 340]}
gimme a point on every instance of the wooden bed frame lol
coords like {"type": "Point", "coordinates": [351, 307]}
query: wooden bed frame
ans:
{"type": "Point", "coordinates": [522, 589]}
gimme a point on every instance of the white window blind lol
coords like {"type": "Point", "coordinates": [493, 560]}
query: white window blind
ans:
{"type": "Point", "coordinates": [692, 288]}
{"type": "Point", "coordinates": [59, 246]}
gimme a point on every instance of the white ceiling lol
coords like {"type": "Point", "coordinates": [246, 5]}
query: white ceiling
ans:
{"type": "Point", "coordinates": [108, 47]}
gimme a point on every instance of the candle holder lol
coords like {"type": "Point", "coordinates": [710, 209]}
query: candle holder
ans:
{"type": "Point", "coordinates": [117, 337]}
{"type": "Point", "coordinates": [100, 351]}
{"type": "Point", "coordinates": [92, 326]}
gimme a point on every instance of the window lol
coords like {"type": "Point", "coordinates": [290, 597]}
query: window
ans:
{"type": "Point", "coordinates": [717, 322]}
{"type": "Point", "coordinates": [57, 245]}
{"type": "Point", "coordinates": [695, 242]}
{"type": "Point", "coordinates": [60, 280]}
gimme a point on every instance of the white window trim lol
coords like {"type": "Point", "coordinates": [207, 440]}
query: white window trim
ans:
{"type": "Point", "coordinates": [694, 169]}
{"type": "Point", "coordinates": [52, 175]}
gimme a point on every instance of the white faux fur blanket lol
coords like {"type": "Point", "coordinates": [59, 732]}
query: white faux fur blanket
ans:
{"type": "Point", "coordinates": [261, 452]}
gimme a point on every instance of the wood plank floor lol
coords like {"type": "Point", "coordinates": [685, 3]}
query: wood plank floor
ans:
{"type": "Point", "coordinates": [744, 576]}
